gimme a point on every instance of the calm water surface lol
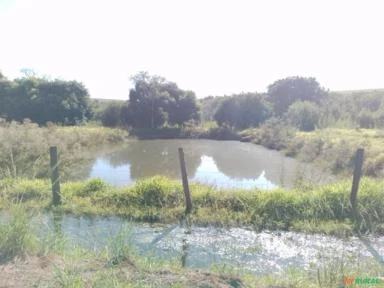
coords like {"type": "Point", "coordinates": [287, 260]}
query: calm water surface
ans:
{"type": "Point", "coordinates": [228, 164]}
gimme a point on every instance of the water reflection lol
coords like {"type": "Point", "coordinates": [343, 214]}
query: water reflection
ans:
{"type": "Point", "coordinates": [200, 247]}
{"type": "Point", "coordinates": [209, 173]}
{"type": "Point", "coordinates": [227, 164]}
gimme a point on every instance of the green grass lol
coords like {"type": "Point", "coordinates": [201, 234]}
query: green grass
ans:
{"type": "Point", "coordinates": [159, 199]}
{"type": "Point", "coordinates": [331, 148]}
{"type": "Point", "coordinates": [24, 148]}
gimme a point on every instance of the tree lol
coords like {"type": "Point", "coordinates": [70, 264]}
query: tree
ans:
{"type": "Point", "coordinates": [153, 101]}
{"type": "Point", "coordinates": [242, 111]}
{"type": "Point", "coordinates": [183, 109]}
{"type": "Point", "coordinates": [40, 100]}
{"type": "Point", "coordinates": [304, 115]}
{"type": "Point", "coordinates": [111, 116]}
{"type": "Point", "coordinates": [285, 92]}
{"type": "Point", "coordinates": [209, 106]}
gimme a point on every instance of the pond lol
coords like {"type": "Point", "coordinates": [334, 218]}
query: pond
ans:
{"type": "Point", "coordinates": [201, 247]}
{"type": "Point", "coordinates": [226, 164]}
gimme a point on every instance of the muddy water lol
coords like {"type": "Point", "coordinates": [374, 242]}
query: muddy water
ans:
{"type": "Point", "coordinates": [228, 164]}
{"type": "Point", "coordinates": [197, 247]}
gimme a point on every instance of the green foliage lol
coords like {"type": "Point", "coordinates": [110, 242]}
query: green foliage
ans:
{"type": "Point", "coordinates": [242, 111]}
{"type": "Point", "coordinates": [68, 278]}
{"type": "Point", "coordinates": [306, 208]}
{"type": "Point", "coordinates": [365, 119]}
{"type": "Point", "coordinates": [209, 106]}
{"type": "Point", "coordinates": [156, 191]}
{"type": "Point", "coordinates": [91, 187]}
{"type": "Point", "coordinates": [112, 115]}
{"type": "Point", "coordinates": [43, 101]}
{"type": "Point", "coordinates": [27, 190]}
{"type": "Point", "coordinates": [303, 115]}
{"type": "Point", "coordinates": [274, 134]}
{"type": "Point", "coordinates": [284, 92]}
{"type": "Point", "coordinates": [222, 133]}
{"type": "Point", "coordinates": [24, 149]}
{"type": "Point", "coordinates": [119, 248]}
{"type": "Point", "coordinates": [155, 101]}
{"type": "Point", "coordinates": [15, 236]}
{"type": "Point", "coordinates": [363, 109]}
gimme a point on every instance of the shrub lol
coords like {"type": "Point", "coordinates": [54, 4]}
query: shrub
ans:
{"type": "Point", "coordinates": [91, 187]}
{"type": "Point", "coordinates": [303, 115]}
{"type": "Point", "coordinates": [111, 116]}
{"type": "Point", "coordinates": [157, 192]}
{"type": "Point", "coordinates": [366, 119]}
{"type": "Point", "coordinates": [223, 133]}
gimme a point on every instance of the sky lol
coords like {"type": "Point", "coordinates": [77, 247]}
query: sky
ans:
{"type": "Point", "coordinates": [213, 47]}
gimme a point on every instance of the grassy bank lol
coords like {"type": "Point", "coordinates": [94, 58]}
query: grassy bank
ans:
{"type": "Point", "coordinates": [311, 209]}
{"type": "Point", "coordinates": [24, 148]}
{"type": "Point", "coordinates": [331, 148]}
{"type": "Point", "coordinates": [32, 259]}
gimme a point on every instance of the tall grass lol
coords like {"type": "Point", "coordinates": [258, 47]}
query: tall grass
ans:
{"type": "Point", "coordinates": [15, 235]}
{"type": "Point", "coordinates": [24, 147]}
{"type": "Point", "coordinates": [331, 148]}
{"type": "Point", "coordinates": [158, 199]}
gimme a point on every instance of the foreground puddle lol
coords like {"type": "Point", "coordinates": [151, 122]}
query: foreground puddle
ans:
{"type": "Point", "coordinates": [256, 252]}
{"type": "Point", "coordinates": [197, 247]}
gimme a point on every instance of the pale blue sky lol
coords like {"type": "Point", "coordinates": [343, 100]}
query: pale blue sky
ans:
{"type": "Point", "coordinates": [212, 47]}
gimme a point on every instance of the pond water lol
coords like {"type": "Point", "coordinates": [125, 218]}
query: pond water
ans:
{"type": "Point", "coordinates": [197, 247]}
{"type": "Point", "coordinates": [227, 164]}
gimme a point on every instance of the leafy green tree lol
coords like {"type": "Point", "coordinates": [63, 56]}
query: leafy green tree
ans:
{"type": "Point", "coordinates": [282, 93]}
{"type": "Point", "coordinates": [183, 108]}
{"type": "Point", "coordinates": [303, 115]}
{"type": "Point", "coordinates": [242, 111]}
{"type": "Point", "coordinates": [209, 106]}
{"type": "Point", "coordinates": [61, 101]}
{"type": "Point", "coordinates": [227, 113]}
{"type": "Point", "coordinates": [111, 116]}
{"type": "Point", "coordinates": [41, 100]}
{"type": "Point", "coordinates": [154, 101]}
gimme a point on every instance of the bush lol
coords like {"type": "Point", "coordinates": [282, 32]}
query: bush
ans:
{"type": "Point", "coordinates": [92, 186]}
{"type": "Point", "coordinates": [111, 116]}
{"type": "Point", "coordinates": [275, 134]}
{"type": "Point", "coordinates": [223, 133]}
{"type": "Point", "coordinates": [157, 192]}
{"type": "Point", "coordinates": [303, 115]}
{"type": "Point", "coordinates": [366, 119]}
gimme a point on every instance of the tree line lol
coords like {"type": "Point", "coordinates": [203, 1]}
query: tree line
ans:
{"type": "Point", "coordinates": [155, 102]}
{"type": "Point", "coordinates": [42, 101]}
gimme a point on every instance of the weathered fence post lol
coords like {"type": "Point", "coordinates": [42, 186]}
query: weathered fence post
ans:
{"type": "Point", "coordinates": [188, 201]}
{"type": "Point", "coordinates": [55, 179]}
{"type": "Point", "coordinates": [356, 179]}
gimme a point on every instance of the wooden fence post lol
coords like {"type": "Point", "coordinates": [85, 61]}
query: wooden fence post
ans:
{"type": "Point", "coordinates": [188, 201]}
{"type": "Point", "coordinates": [55, 179]}
{"type": "Point", "coordinates": [356, 179]}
